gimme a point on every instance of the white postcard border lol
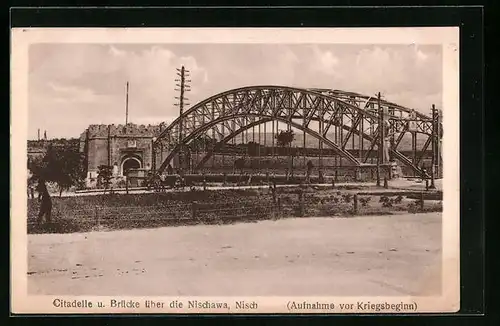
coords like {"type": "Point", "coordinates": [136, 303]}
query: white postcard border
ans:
{"type": "Point", "coordinates": [448, 37]}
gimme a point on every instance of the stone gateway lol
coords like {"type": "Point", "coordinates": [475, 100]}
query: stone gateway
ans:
{"type": "Point", "coordinates": [126, 148]}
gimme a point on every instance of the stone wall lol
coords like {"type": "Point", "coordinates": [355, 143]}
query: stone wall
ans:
{"type": "Point", "coordinates": [112, 144]}
{"type": "Point", "coordinates": [124, 130]}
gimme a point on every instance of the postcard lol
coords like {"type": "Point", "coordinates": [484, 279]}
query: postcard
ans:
{"type": "Point", "coordinates": [239, 171]}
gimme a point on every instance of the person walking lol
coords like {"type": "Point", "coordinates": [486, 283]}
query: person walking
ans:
{"type": "Point", "coordinates": [46, 202]}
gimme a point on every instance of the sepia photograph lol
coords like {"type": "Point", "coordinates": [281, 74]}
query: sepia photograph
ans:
{"type": "Point", "coordinates": [224, 175]}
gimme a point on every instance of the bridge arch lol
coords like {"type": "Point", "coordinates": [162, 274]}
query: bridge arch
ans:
{"type": "Point", "coordinates": [349, 112]}
{"type": "Point", "coordinates": [200, 130]}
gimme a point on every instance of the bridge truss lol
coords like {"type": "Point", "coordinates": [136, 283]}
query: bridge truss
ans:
{"type": "Point", "coordinates": [347, 123]}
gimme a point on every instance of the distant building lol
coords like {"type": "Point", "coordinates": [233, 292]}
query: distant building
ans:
{"type": "Point", "coordinates": [124, 147]}
{"type": "Point", "coordinates": [38, 148]}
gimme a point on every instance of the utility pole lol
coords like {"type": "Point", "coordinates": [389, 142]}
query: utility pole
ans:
{"type": "Point", "coordinates": [38, 134]}
{"type": "Point", "coordinates": [381, 138]}
{"type": "Point", "coordinates": [183, 87]}
{"type": "Point", "coordinates": [153, 155]}
{"type": "Point", "coordinates": [439, 161]}
{"type": "Point", "coordinates": [126, 107]}
{"type": "Point", "coordinates": [382, 131]}
{"type": "Point", "coordinates": [434, 143]}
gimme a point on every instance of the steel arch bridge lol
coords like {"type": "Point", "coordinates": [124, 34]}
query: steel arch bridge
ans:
{"type": "Point", "coordinates": [353, 118]}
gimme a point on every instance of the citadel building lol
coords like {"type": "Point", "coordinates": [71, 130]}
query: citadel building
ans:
{"type": "Point", "coordinates": [124, 147]}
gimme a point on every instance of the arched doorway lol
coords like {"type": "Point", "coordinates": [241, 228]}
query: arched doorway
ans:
{"type": "Point", "coordinates": [130, 163]}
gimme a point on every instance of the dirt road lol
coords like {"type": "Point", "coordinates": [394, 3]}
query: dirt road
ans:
{"type": "Point", "coordinates": [370, 255]}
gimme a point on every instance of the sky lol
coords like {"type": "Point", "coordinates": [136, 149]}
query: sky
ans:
{"type": "Point", "coordinates": [74, 85]}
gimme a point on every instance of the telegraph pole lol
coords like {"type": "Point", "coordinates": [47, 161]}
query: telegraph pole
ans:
{"type": "Point", "coordinates": [439, 161]}
{"type": "Point", "coordinates": [182, 88]}
{"type": "Point", "coordinates": [382, 132]}
{"type": "Point", "coordinates": [381, 138]}
{"type": "Point", "coordinates": [434, 143]}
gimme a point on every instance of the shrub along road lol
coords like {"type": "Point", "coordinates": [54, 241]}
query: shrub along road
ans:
{"type": "Point", "coordinates": [370, 255]}
{"type": "Point", "coordinates": [401, 184]}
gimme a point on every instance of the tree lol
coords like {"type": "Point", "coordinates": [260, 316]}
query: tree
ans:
{"type": "Point", "coordinates": [61, 164]}
{"type": "Point", "coordinates": [154, 180]}
{"type": "Point", "coordinates": [33, 165]}
{"type": "Point", "coordinates": [71, 171]}
{"type": "Point", "coordinates": [104, 174]}
{"type": "Point", "coordinates": [284, 139]}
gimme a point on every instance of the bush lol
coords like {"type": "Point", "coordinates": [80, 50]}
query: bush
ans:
{"type": "Point", "coordinates": [364, 201]}
{"type": "Point", "coordinates": [387, 204]}
{"type": "Point", "coordinates": [347, 198]}
{"type": "Point", "coordinates": [413, 208]}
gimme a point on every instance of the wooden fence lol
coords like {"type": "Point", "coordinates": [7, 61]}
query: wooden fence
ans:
{"type": "Point", "coordinates": [298, 204]}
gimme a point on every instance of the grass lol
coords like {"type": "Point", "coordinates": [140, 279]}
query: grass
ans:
{"type": "Point", "coordinates": [121, 211]}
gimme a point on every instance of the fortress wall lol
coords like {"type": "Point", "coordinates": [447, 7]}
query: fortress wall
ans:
{"type": "Point", "coordinates": [124, 130]}
{"type": "Point", "coordinates": [119, 137]}
{"type": "Point", "coordinates": [97, 154]}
